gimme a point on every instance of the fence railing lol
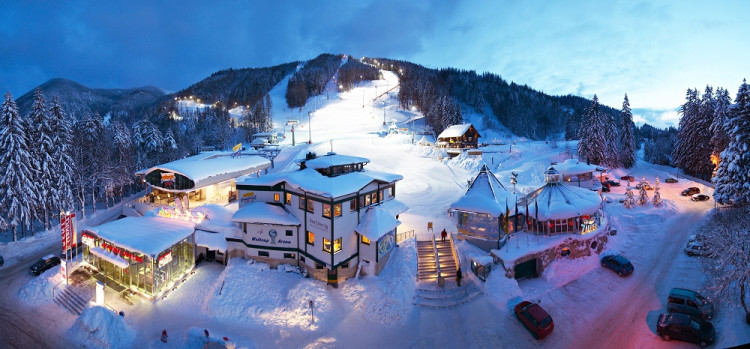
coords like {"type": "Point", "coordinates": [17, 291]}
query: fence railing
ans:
{"type": "Point", "coordinates": [403, 236]}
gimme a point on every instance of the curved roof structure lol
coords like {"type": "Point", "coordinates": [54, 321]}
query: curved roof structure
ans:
{"type": "Point", "coordinates": [485, 195]}
{"type": "Point", "coordinates": [213, 167]}
{"type": "Point", "coordinates": [557, 200]}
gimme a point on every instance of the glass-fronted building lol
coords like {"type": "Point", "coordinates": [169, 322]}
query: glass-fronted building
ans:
{"type": "Point", "coordinates": [146, 255]}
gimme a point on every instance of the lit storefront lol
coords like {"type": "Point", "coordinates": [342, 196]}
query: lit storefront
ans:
{"type": "Point", "coordinates": [146, 255]}
{"type": "Point", "coordinates": [481, 211]}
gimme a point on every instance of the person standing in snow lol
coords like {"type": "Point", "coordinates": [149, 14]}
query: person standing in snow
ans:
{"type": "Point", "coordinates": [444, 234]}
{"type": "Point", "coordinates": [458, 276]}
{"type": "Point", "coordinates": [164, 336]}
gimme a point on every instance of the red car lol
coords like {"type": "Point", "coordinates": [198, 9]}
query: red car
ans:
{"type": "Point", "coordinates": [536, 319]}
{"type": "Point", "coordinates": [628, 178]}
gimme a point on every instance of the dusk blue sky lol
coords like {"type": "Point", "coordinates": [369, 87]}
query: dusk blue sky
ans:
{"type": "Point", "coordinates": [651, 50]}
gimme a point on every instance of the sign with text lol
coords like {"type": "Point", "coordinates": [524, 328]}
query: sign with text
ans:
{"type": "Point", "coordinates": [67, 230]}
{"type": "Point", "coordinates": [167, 179]}
{"type": "Point", "coordinates": [318, 226]}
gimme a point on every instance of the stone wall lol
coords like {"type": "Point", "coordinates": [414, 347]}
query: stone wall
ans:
{"type": "Point", "coordinates": [579, 247]}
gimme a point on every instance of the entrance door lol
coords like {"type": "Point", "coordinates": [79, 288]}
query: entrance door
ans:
{"type": "Point", "coordinates": [210, 255]}
{"type": "Point", "coordinates": [333, 278]}
{"type": "Point", "coordinates": [526, 269]}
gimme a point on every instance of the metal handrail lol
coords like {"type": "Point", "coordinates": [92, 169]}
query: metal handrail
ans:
{"type": "Point", "coordinates": [455, 252]}
{"type": "Point", "coordinates": [441, 281]}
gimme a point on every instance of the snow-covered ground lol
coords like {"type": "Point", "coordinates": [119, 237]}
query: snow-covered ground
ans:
{"type": "Point", "coordinates": [255, 306]}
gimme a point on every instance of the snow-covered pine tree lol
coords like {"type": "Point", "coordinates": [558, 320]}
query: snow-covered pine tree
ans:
{"type": "Point", "coordinates": [657, 195]}
{"type": "Point", "coordinates": [629, 201]}
{"type": "Point", "coordinates": [627, 141]}
{"type": "Point", "coordinates": [122, 155]}
{"type": "Point", "coordinates": [593, 143]}
{"type": "Point", "coordinates": [90, 164]}
{"type": "Point", "coordinates": [148, 142]}
{"type": "Point", "coordinates": [642, 194]}
{"type": "Point", "coordinates": [42, 150]}
{"type": "Point", "coordinates": [733, 175]}
{"type": "Point", "coordinates": [719, 131]}
{"type": "Point", "coordinates": [612, 158]}
{"type": "Point", "coordinates": [63, 169]}
{"type": "Point", "coordinates": [682, 150]}
{"type": "Point", "coordinates": [15, 161]}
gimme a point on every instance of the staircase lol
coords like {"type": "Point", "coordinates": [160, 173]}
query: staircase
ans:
{"type": "Point", "coordinates": [446, 298]}
{"type": "Point", "coordinates": [426, 263]}
{"type": "Point", "coordinates": [447, 264]}
{"type": "Point", "coordinates": [70, 301]}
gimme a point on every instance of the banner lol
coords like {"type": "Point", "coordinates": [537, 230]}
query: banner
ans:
{"type": "Point", "coordinates": [64, 222]}
{"type": "Point", "coordinates": [167, 178]}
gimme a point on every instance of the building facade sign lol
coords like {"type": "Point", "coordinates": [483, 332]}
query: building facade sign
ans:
{"type": "Point", "coordinates": [385, 244]}
{"type": "Point", "coordinates": [165, 259]}
{"type": "Point", "coordinates": [317, 226]}
{"type": "Point", "coordinates": [167, 179]}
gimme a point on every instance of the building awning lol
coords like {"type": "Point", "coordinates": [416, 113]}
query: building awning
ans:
{"type": "Point", "coordinates": [210, 240]}
{"type": "Point", "coordinates": [393, 206]}
{"type": "Point", "coordinates": [110, 257]}
{"type": "Point", "coordinates": [376, 223]}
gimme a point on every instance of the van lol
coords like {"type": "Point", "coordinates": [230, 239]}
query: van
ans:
{"type": "Point", "coordinates": [689, 302]}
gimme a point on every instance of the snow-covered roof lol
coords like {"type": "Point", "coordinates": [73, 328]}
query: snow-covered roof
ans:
{"type": "Point", "coordinates": [482, 259]}
{"type": "Point", "coordinates": [485, 195]}
{"type": "Point", "coordinates": [424, 141]}
{"type": "Point", "coordinates": [573, 166]}
{"type": "Point", "coordinates": [211, 240]}
{"type": "Point", "coordinates": [213, 167]}
{"type": "Point", "coordinates": [109, 256]}
{"type": "Point", "coordinates": [454, 131]}
{"type": "Point", "coordinates": [558, 200]}
{"type": "Point", "coordinates": [311, 181]}
{"type": "Point", "coordinates": [377, 222]}
{"type": "Point", "coordinates": [393, 206]}
{"type": "Point", "coordinates": [327, 161]}
{"type": "Point", "coordinates": [264, 213]}
{"type": "Point", "coordinates": [147, 235]}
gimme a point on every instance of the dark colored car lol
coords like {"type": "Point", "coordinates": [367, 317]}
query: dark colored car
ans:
{"type": "Point", "coordinates": [43, 264]}
{"type": "Point", "coordinates": [690, 191]}
{"type": "Point", "coordinates": [536, 319]}
{"type": "Point", "coordinates": [697, 248]}
{"type": "Point", "coordinates": [699, 197]}
{"type": "Point", "coordinates": [618, 264]}
{"type": "Point", "coordinates": [671, 180]}
{"type": "Point", "coordinates": [605, 188]}
{"type": "Point", "coordinates": [685, 328]}
{"type": "Point", "coordinates": [681, 300]}
{"type": "Point", "coordinates": [628, 178]}
{"type": "Point", "coordinates": [612, 183]}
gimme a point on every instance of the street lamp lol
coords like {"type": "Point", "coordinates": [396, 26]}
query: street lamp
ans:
{"type": "Point", "coordinates": [309, 131]}
{"type": "Point", "coordinates": [383, 112]}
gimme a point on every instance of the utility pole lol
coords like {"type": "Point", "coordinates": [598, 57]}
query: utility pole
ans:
{"type": "Point", "coordinates": [309, 131]}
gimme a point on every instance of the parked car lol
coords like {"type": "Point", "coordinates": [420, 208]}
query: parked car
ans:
{"type": "Point", "coordinates": [618, 264]}
{"type": "Point", "coordinates": [671, 180]}
{"type": "Point", "coordinates": [646, 185]}
{"type": "Point", "coordinates": [696, 248]}
{"type": "Point", "coordinates": [689, 302]}
{"type": "Point", "coordinates": [628, 178]}
{"type": "Point", "coordinates": [683, 327]}
{"type": "Point", "coordinates": [43, 264]}
{"type": "Point", "coordinates": [699, 197]}
{"type": "Point", "coordinates": [605, 188]}
{"type": "Point", "coordinates": [690, 191]}
{"type": "Point", "coordinates": [536, 319]}
{"type": "Point", "coordinates": [613, 183]}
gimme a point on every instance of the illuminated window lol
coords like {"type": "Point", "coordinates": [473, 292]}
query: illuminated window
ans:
{"type": "Point", "coordinates": [310, 238]}
{"type": "Point", "coordinates": [365, 240]}
{"type": "Point", "coordinates": [374, 197]}
{"type": "Point", "coordinates": [337, 210]}
{"type": "Point", "coordinates": [276, 197]}
{"type": "Point", "coordinates": [327, 210]}
{"type": "Point", "coordinates": [367, 200]}
{"type": "Point", "coordinates": [288, 198]}
{"type": "Point", "coordinates": [310, 206]}
{"type": "Point", "coordinates": [336, 245]}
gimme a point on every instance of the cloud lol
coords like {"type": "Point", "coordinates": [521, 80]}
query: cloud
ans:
{"type": "Point", "coordinates": [660, 118]}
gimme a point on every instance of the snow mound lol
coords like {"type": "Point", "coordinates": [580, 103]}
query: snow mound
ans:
{"type": "Point", "coordinates": [501, 290]}
{"type": "Point", "coordinates": [563, 271]}
{"type": "Point", "coordinates": [196, 338]}
{"type": "Point", "coordinates": [39, 290]}
{"type": "Point", "coordinates": [471, 164]}
{"type": "Point", "coordinates": [280, 299]}
{"type": "Point", "coordinates": [386, 299]}
{"type": "Point", "coordinates": [98, 327]}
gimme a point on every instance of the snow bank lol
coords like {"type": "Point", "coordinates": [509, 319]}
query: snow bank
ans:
{"type": "Point", "coordinates": [249, 292]}
{"type": "Point", "coordinates": [386, 299]}
{"type": "Point", "coordinates": [471, 164]}
{"type": "Point", "coordinates": [196, 338]}
{"type": "Point", "coordinates": [98, 327]}
{"type": "Point", "coordinates": [501, 290]}
{"type": "Point", "coordinates": [39, 290]}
